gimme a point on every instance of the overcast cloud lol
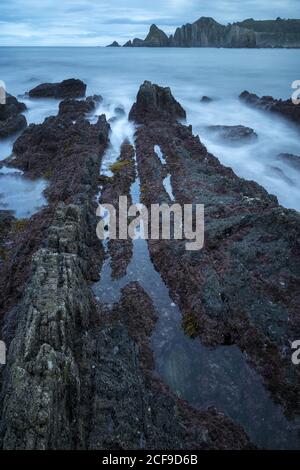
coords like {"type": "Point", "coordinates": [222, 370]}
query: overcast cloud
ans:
{"type": "Point", "coordinates": [99, 22]}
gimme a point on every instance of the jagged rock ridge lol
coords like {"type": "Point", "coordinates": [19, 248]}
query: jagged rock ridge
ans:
{"type": "Point", "coordinates": [206, 32]}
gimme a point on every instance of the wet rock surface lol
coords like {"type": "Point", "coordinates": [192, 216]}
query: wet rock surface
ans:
{"type": "Point", "coordinates": [81, 374]}
{"type": "Point", "coordinates": [71, 88]}
{"type": "Point", "coordinates": [11, 119]}
{"type": "Point", "coordinates": [124, 174]}
{"type": "Point", "coordinates": [75, 108]}
{"type": "Point", "coordinates": [155, 102]}
{"type": "Point", "coordinates": [47, 300]}
{"type": "Point", "coordinates": [132, 409]}
{"type": "Point", "coordinates": [234, 134]}
{"type": "Point", "coordinates": [233, 291]}
{"type": "Point", "coordinates": [6, 220]}
{"type": "Point", "coordinates": [39, 151]}
{"type": "Point", "coordinates": [285, 108]}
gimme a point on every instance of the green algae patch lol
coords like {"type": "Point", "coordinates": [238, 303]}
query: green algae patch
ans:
{"type": "Point", "coordinates": [190, 325]}
{"type": "Point", "coordinates": [118, 166]}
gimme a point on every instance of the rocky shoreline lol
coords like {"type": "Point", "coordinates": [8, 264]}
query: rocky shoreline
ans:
{"type": "Point", "coordinates": [81, 375]}
{"type": "Point", "coordinates": [244, 226]}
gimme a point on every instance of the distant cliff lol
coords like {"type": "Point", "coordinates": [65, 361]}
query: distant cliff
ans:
{"type": "Point", "coordinates": [206, 32]}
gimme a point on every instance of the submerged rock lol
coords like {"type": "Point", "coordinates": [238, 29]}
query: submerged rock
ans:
{"type": "Point", "coordinates": [11, 119]}
{"type": "Point", "coordinates": [289, 159]}
{"type": "Point", "coordinates": [234, 134]}
{"type": "Point", "coordinates": [74, 108]}
{"type": "Point", "coordinates": [154, 102]}
{"type": "Point", "coordinates": [119, 111]}
{"type": "Point", "coordinates": [206, 99]}
{"type": "Point", "coordinates": [285, 108]}
{"type": "Point", "coordinates": [71, 88]}
{"type": "Point", "coordinates": [279, 173]}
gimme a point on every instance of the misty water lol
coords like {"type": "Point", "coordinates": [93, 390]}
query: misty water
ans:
{"type": "Point", "coordinates": [191, 73]}
{"type": "Point", "coordinates": [220, 377]}
{"type": "Point", "coordinates": [19, 194]}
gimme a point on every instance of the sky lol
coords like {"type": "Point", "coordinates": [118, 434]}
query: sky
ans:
{"type": "Point", "coordinates": [99, 22]}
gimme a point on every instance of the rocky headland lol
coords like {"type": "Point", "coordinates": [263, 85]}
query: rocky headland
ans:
{"type": "Point", "coordinates": [206, 32]}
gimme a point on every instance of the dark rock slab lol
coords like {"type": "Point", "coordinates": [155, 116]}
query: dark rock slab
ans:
{"type": "Point", "coordinates": [71, 88]}
{"type": "Point", "coordinates": [285, 108]}
{"type": "Point", "coordinates": [155, 103]}
{"type": "Point", "coordinates": [57, 149]}
{"type": "Point", "coordinates": [12, 125]}
{"type": "Point", "coordinates": [11, 119]}
{"type": "Point", "coordinates": [289, 159]}
{"type": "Point", "coordinates": [11, 107]}
{"type": "Point", "coordinates": [75, 108]}
{"type": "Point", "coordinates": [47, 302]}
{"type": "Point", "coordinates": [234, 134]}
